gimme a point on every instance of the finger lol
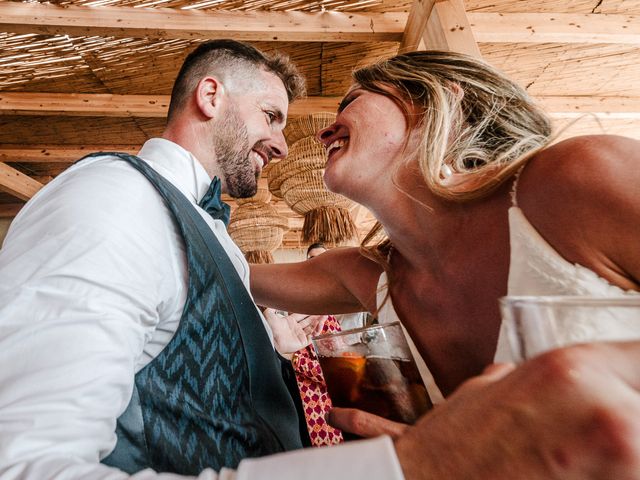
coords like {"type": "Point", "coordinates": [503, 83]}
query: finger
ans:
{"type": "Point", "coordinates": [363, 423]}
{"type": "Point", "coordinates": [309, 330]}
{"type": "Point", "coordinates": [307, 322]}
{"type": "Point", "coordinates": [320, 325]}
{"type": "Point", "coordinates": [311, 321]}
{"type": "Point", "coordinates": [297, 317]}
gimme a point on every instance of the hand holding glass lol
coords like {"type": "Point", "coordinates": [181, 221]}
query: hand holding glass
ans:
{"type": "Point", "coordinates": [372, 369]}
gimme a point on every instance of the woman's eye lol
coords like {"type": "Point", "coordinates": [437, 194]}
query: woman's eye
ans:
{"type": "Point", "coordinates": [345, 102]}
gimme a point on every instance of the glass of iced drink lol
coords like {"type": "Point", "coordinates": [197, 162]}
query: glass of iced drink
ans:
{"type": "Point", "coordinates": [372, 369]}
{"type": "Point", "coordinates": [536, 324]}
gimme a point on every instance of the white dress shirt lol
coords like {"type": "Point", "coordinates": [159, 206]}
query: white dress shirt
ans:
{"type": "Point", "coordinates": [93, 280]}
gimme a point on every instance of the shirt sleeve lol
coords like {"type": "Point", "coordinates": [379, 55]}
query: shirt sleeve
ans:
{"type": "Point", "coordinates": [373, 459]}
{"type": "Point", "coordinates": [81, 285]}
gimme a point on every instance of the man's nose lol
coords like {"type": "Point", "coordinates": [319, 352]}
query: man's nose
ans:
{"type": "Point", "coordinates": [278, 145]}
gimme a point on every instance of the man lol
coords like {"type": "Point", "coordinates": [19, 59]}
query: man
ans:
{"type": "Point", "coordinates": [124, 310]}
{"type": "Point", "coordinates": [315, 249]}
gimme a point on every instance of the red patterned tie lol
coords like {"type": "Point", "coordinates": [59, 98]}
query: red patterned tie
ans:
{"type": "Point", "coordinates": [313, 392]}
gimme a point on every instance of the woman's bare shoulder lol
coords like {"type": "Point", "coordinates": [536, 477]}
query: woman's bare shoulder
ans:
{"type": "Point", "coordinates": [583, 197]}
{"type": "Point", "coordinates": [581, 170]}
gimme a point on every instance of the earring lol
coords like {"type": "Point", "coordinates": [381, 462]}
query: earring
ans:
{"type": "Point", "coordinates": [445, 171]}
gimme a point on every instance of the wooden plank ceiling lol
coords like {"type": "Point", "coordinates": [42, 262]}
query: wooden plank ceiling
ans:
{"type": "Point", "coordinates": [72, 70]}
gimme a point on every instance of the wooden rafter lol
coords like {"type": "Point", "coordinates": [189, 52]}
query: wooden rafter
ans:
{"type": "Point", "coordinates": [10, 210]}
{"type": "Point", "coordinates": [156, 106]}
{"type": "Point", "coordinates": [555, 28]}
{"type": "Point", "coordinates": [448, 28]}
{"type": "Point", "coordinates": [416, 24]}
{"type": "Point", "coordinates": [58, 153]}
{"type": "Point", "coordinates": [76, 104]}
{"type": "Point", "coordinates": [166, 23]}
{"type": "Point", "coordinates": [125, 22]}
{"type": "Point", "coordinates": [17, 183]}
{"type": "Point", "coordinates": [439, 25]}
{"type": "Point", "coordinates": [625, 108]}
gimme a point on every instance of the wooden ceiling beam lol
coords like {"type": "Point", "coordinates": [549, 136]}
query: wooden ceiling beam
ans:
{"type": "Point", "coordinates": [555, 28]}
{"type": "Point", "coordinates": [10, 210]}
{"type": "Point", "coordinates": [71, 104]}
{"type": "Point", "coordinates": [98, 104]}
{"type": "Point", "coordinates": [170, 23]}
{"type": "Point", "coordinates": [167, 23]}
{"type": "Point", "coordinates": [448, 28]}
{"type": "Point", "coordinates": [17, 183]}
{"type": "Point", "coordinates": [416, 24]}
{"type": "Point", "coordinates": [604, 108]}
{"type": "Point", "coordinates": [58, 153]}
{"type": "Point", "coordinates": [77, 104]}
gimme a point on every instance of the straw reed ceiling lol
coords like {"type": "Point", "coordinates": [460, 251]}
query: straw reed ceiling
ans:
{"type": "Point", "coordinates": [83, 75]}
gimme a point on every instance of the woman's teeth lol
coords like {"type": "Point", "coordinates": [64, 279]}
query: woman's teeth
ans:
{"type": "Point", "coordinates": [336, 145]}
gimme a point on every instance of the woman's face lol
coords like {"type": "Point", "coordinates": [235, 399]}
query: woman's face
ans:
{"type": "Point", "coordinates": [364, 144]}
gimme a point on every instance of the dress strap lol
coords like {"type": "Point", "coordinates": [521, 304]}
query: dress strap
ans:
{"type": "Point", "coordinates": [514, 187]}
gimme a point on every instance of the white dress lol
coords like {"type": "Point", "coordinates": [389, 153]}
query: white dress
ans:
{"type": "Point", "coordinates": [535, 268]}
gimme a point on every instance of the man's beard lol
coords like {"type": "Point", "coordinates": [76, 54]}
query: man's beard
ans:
{"type": "Point", "coordinates": [234, 156]}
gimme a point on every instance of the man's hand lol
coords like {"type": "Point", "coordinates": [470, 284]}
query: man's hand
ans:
{"type": "Point", "coordinates": [293, 331]}
{"type": "Point", "coordinates": [568, 414]}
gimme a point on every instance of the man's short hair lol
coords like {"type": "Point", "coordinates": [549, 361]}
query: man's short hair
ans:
{"type": "Point", "coordinates": [313, 246]}
{"type": "Point", "coordinates": [229, 56]}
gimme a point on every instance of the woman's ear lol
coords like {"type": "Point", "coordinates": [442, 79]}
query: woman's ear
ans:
{"type": "Point", "coordinates": [456, 90]}
{"type": "Point", "coordinates": [210, 95]}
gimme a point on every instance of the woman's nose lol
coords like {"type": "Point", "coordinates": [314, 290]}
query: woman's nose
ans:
{"type": "Point", "coordinates": [323, 135]}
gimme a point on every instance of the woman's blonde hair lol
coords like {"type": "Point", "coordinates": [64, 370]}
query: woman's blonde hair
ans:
{"type": "Point", "coordinates": [472, 120]}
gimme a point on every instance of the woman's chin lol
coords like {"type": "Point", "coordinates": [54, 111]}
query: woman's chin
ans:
{"type": "Point", "coordinates": [331, 182]}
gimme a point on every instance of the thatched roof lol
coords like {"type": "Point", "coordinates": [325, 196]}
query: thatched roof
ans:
{"type": "Point", "coordinates": [79, 76]}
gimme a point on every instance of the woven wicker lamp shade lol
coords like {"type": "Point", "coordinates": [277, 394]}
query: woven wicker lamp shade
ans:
{"type": "Point", "coordinates": [257, 228]}
{"type": "Point", "coordinates": [298, 180]}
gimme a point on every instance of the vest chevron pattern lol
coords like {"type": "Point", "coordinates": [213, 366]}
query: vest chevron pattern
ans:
{"type": "Point", "coordinates": [215, 394]}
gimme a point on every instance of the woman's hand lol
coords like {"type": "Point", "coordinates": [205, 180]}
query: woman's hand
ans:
{"type": "Point", "coordinates": [293, 331]}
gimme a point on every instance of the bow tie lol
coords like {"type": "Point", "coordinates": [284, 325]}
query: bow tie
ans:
{"type": "Point", "coordinates": [213, 204]}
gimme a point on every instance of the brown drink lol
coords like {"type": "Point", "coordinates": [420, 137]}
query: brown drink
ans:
{"type": "Point", "coordinates": [389, 387]}
{"type": "Point", "coordinates": [372, 369]}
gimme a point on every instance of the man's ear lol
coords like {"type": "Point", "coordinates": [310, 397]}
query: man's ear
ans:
{"type": "Point", "coordinates": [210, 95]}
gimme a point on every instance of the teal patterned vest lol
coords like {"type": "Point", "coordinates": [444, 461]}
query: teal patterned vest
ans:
{"type": "Point", "coordinates": [215, 394]}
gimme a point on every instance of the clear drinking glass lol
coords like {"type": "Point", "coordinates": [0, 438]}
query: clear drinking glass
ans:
{"type": "Point", "coordinates": [372, 369]}
{"type": "Point", "coordinates": [534, 325]}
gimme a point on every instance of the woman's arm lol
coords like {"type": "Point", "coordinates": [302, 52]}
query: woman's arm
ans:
{"type": "Point", "coordinates": [338, 281]}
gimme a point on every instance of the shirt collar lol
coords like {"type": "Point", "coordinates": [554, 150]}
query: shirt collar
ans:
{"type": "Point", "coordinates": [178, 166]}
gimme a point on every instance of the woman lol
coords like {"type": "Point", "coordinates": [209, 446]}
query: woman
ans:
{"type": "Point", "coordinates": [456, 163]}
